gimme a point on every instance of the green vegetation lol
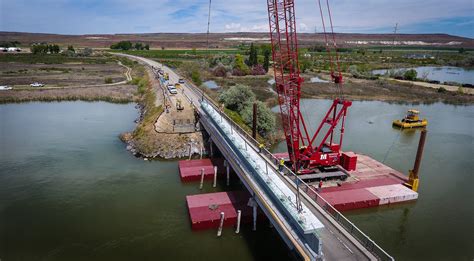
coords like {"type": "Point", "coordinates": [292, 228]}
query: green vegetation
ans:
{"type": "Point", "coordinates": [196, 77]}
{"type": "Point", "coordinates": [29, 58]}
{"type": "Point", "coordinates": [265, 118]}
{"type": "Point", "coordinates": [410, 75]}
{"type": "Point", "coordinates": [45, 48]}
{"type": "Point", "coordinates": [127, 45]}
{"type": "Point", "coordinates": [122, 45]}
{"type": "Point", "coordinates": [239, 100]}
{"type": "Point", "coordinates": [266, 59]}
{"type": "Point", "coordinates": [9, 44]}
{"type": "Point", "coordinates": [108, 80]}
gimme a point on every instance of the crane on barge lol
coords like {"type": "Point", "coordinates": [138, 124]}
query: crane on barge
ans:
{"type": "Point", "coordinates": [320, 151]}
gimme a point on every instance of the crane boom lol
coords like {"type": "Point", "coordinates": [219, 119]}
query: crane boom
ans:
{"type": "Point", "coordinates": [303, 155]}
{"type": "Point", "coordinates": [281, 15]}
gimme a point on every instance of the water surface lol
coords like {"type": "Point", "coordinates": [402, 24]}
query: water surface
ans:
{"type": "Point", "coordinates": [439, 225]}
{"type": "Point", "coordinates": [70, 191]}
{"type": "Point", "coordinates": [439, 73]}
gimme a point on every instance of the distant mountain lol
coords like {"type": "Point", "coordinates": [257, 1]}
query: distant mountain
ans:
{"type": "Point", "coordinates": [226, 40]}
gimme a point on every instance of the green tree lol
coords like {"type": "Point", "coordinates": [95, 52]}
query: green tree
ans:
{"type": "Point", "coordinates": [196, 77]}
{"type": "Point", "coordinates": [56, 48]}
{"type": "Point", "coordinates": [266, 59]}
{"type": "Point", "coordinates": [147, 47]}
{"type": "Point", "coordinates": [253, 56]}
{"type": "Point", "coordinates": [122, 45]}
{"type": "Point", "coordinates": [237, 97]}
{"type": "Point", "coordinates": [410, 75]}
{"type": "Point", "coordinates": [265, 117]}
{"type": "Point", "coordinates": [240, 65]}
{"type": "Point", "coordinates": [71, 48]}
{"type": "Point", "coordinates": [138, 46]}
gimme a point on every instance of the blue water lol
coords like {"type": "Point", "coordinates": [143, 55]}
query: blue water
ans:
{"type": "Point", "coordinates": [442, 73]}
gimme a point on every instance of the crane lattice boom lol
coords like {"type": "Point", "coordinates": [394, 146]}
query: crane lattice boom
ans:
{"type": "Point", "coordinates": [303, 155]}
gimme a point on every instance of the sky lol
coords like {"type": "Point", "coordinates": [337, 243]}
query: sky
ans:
{"type": "Point", "coordinates": [455, 17]}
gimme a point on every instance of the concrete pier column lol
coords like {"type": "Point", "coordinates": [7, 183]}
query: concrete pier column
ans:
{"type": "Point", "coordinates": [252, 203]}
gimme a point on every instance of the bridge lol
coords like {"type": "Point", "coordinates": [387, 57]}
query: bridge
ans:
{"type": "Point", "coordinates": [306, 222]}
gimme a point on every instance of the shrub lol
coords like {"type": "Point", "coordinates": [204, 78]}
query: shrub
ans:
{"type": "Point", "coordinates": [237, 97]}
{"type": "Point", "coordinates": [220, 71]}
{"type": "Point", "coordinates": [258, 70]}
{"type": "Point", "coordinates": [108, 80]}
{"type": "Point", "coordinates": [410, 75]}
{"type": "Point", "coordinates": [196, 77]}
{"type": "Point", "coordinates": [265, 117]}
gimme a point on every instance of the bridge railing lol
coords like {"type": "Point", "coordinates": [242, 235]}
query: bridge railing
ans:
{"type": "Point", "coordinates": [309, 190]}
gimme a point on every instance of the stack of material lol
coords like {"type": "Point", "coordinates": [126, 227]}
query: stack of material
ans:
{"type": "Point", "coordinates": [349, 160]}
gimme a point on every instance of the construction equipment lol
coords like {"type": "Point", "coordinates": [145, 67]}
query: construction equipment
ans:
{"type": "Point", "coordinates": [179, 105]}
{"type": "Point", "coordinates": [319, 150]}
{"type": "Point", "coordinates": [411, 120]}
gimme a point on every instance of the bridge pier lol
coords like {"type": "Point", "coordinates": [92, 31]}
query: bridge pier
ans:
{"type": "Point", "coordinates": [252, 203]}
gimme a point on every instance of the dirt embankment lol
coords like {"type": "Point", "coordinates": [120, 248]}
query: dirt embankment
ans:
{"type": "Point", "coordinates": [163, 131]}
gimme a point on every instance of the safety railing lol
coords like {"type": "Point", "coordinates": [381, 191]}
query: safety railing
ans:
{"type": "Point", "coordinates": [360, 236]}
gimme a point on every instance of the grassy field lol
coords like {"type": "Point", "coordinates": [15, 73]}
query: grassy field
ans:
{"type": "Point", "coordinates": [179, 54]}
{"type": "Point", "coordinates": [67, 78]}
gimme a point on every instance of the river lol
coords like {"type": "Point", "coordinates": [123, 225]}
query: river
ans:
{"type": "Point", "coordinates": [439, 73]}
{"type": "Point", "coordinates": [70, 191]}
{"type": "Point", "coordinates": [439, 225]}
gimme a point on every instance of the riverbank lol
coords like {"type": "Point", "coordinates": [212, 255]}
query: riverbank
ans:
{"type": "Point", "coordinates": [386, 90]}
{"type": "Point", "coordinates": [152, 137]}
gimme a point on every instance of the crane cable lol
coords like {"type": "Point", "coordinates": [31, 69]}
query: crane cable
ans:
{"type": "Point", "coordinates": [334, 65]}
{"type": "Point", "coordinates": [208, 27]}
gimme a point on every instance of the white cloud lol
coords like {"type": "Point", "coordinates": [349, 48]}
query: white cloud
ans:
{"type": "Point", "coordinates": [237, 27]}
{"type": "Point", "coordinates": [116, 16]}
{"type": "Point", "coordinates": [303, 28]}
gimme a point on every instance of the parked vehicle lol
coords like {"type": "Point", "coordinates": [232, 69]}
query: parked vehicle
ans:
{"type": "Point", "coordinates": [37, 84]}
{"type": "Point", "coordinates": [5, 88]}
{"type": "Point", "coordinates": [181, 81]}
{"type": "Point", "coordinates": [172, 89]}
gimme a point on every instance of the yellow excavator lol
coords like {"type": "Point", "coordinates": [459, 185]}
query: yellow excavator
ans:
{"type": "Point", "coordinates": [411, 120]}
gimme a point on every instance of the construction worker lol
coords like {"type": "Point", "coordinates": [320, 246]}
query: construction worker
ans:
{"type": "Point", "coordinates": [260, 147]}
{"type": "Point", "coordinates": [282, 163]}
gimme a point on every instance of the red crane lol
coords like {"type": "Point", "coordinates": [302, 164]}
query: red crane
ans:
{"type": "Point", "coordinates": [306, 152]}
